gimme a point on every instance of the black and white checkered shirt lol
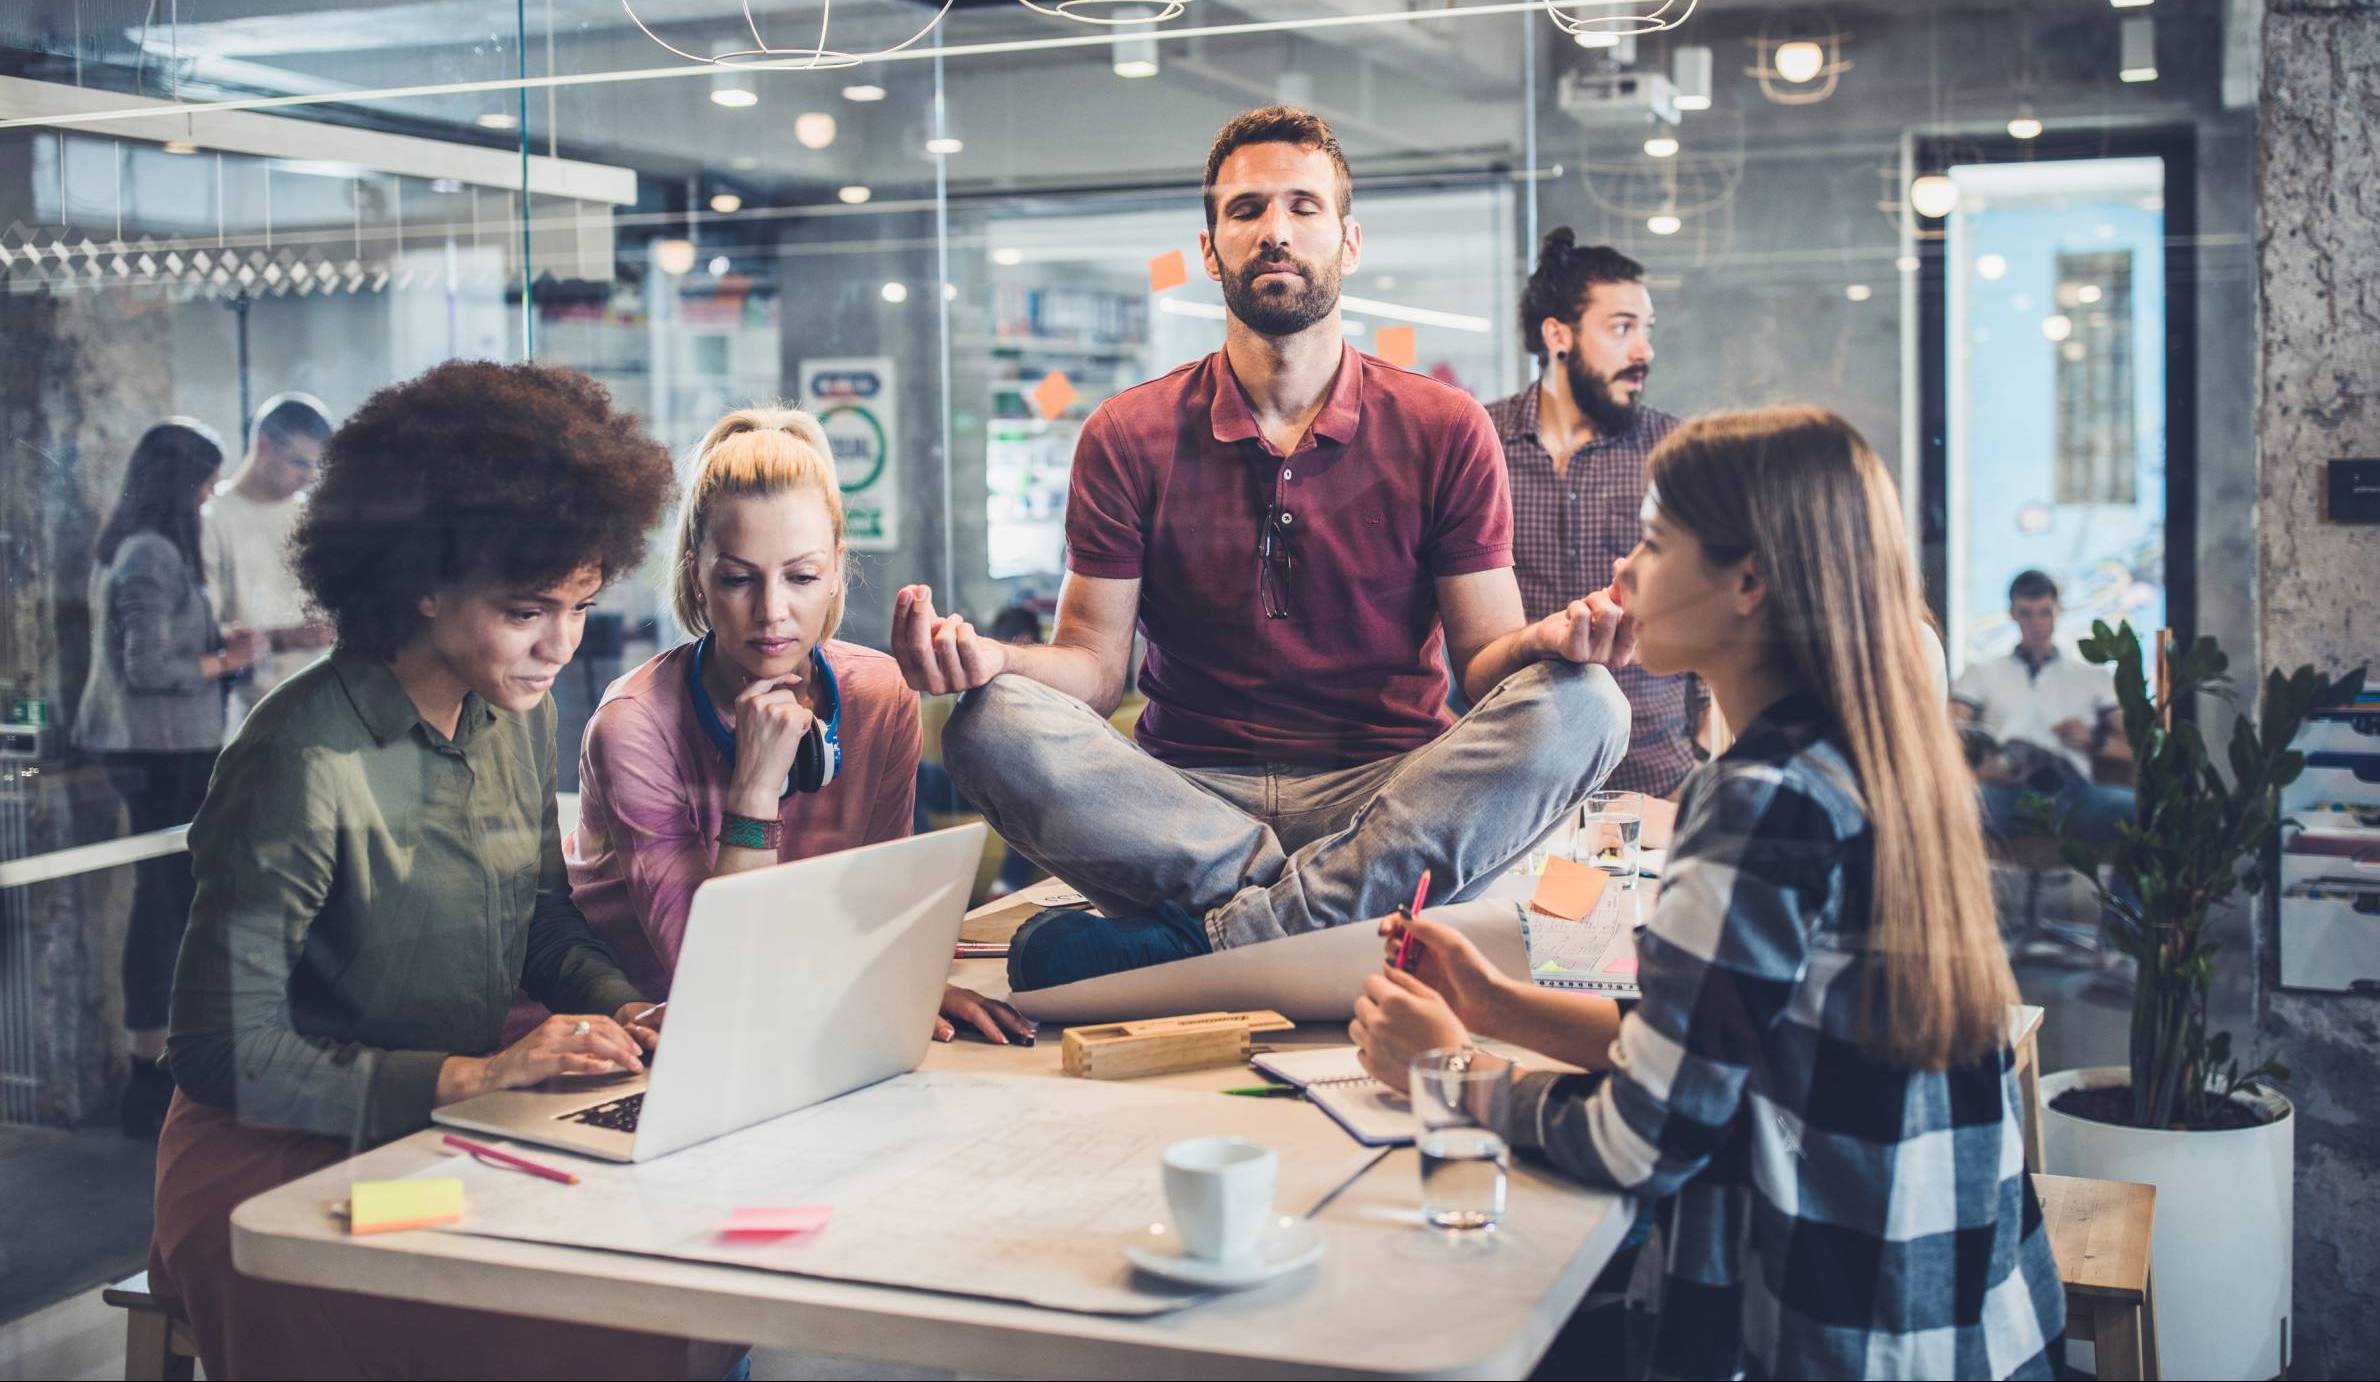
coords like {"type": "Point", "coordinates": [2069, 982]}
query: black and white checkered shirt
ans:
{"type": "Point", "coordinates": [1830, 1215]}
{"type": "Point", "coordinates": [1567, 530]}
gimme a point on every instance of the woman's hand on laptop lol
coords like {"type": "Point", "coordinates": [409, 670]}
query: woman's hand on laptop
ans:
{"type": "Point", "coordinates": [1000, 1024]}
{"type": "Point", "coordinates": [564, 1044]}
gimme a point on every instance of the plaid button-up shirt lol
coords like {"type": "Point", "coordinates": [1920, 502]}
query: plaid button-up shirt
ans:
{"type": "Point", "coordinates": [1567, 530]}
{"type": "Point", "coordinates": [1829, 1214]}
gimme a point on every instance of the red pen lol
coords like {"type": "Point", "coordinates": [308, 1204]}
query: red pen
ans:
{"type": "Point", "coordinates": [507, 1159]}
{"type": "Point", "coordinates": [1421, 891]}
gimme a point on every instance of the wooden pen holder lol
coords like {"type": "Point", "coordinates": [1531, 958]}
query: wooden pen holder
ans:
{"type": "Point", "coordinates": [1161, 1045]}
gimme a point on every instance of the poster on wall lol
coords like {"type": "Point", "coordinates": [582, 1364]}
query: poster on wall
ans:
{"type": "Point", "coordinates": [853, 399]}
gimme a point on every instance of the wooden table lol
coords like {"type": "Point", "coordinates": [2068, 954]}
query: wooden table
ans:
{"type": "Point", "coordinates": [1390, 1298]}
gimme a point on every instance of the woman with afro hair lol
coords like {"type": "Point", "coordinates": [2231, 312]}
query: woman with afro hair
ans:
{"type": "Point", "coordinates": [379, 867]}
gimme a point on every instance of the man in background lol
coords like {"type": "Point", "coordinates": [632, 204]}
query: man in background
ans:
{"type": "Point", "coordinates": [1575, 442]}
{"type": "Point", "coordinates": [2047, 713]}
{"type": "Point", "coordinates": [244, 538]}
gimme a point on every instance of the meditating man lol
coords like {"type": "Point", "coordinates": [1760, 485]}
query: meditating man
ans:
{"type": "Point", "coordinates": [1307, 539]}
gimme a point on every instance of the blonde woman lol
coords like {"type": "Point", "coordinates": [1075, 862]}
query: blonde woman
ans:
{"type": "Point", "coordinates": [765, 739]}
{"type": "Point", "coordinates": [1819, 1072]}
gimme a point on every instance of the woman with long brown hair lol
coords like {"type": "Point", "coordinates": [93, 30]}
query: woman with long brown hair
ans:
{"type": "Point", "coordinates": [1819, 1073]}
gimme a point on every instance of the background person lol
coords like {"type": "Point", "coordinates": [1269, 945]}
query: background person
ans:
{"type": "Point", "coordinates": [153, 710]}
{"type": "Point", "coordinates": [1575, 442]}
{"type": "Point", "coordinates": [244, 533]}
{"type": "Point", "coordinates": [379, 865]}
{"type": "Point", "coordinates": [1818, 1076]}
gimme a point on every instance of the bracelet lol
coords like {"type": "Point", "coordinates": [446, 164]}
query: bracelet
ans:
{"type": "Point", "coordinates": [750, 832]}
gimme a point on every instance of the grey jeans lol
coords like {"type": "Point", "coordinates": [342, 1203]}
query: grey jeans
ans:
{"type": "Point", "coordinates": [1270, 850]}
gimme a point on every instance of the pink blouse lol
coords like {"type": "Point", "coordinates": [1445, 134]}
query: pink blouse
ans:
{"type": "Point", "coordinates": [652, 790]}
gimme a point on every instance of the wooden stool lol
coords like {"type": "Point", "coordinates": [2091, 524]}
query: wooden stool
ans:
{"type": "Point", "coordinates": [157, 1344]}
{"type": "Point", "coordinates": [2099, 1233]}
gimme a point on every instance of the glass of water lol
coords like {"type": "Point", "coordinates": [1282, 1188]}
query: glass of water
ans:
{"type": "Point", "coordinates": [1609, 827]}
{"type": "Point", "coordinates": [1456, 1110]}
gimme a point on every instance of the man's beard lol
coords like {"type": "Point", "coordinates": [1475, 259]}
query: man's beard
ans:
{"type": "Point", "coordinates": [1592, 393]}
{"type": "Point", "coordinates": [1279, 310]}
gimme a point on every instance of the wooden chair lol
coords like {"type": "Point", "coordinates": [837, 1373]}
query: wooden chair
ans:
{"type": "Point", "coordinates": [157, 1343]}
{"type": "Point", "coordinates": [2099, 1232]}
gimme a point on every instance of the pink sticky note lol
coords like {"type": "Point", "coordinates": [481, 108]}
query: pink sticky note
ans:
{"type": "Point", "coordinates": [776, 1222]}
{"type": "Point", "coordinates": [1626, 964]}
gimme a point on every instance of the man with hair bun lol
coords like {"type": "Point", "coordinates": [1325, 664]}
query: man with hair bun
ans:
{"type": "Point", "coordinates": [1575, 443]}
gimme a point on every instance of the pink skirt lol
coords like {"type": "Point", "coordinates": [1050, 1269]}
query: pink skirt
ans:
{"type": "Point", "coordinates": [208, 1163]}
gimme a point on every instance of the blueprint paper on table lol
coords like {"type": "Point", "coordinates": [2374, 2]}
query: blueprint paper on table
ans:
{"type": "Point", "coordinates": [1308, 978]}
{"type": "Point", "coordinates": [1001, 1186]}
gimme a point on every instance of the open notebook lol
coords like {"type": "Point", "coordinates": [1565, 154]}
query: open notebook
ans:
{"type": "Point", "coordinates": [1335, 1082]}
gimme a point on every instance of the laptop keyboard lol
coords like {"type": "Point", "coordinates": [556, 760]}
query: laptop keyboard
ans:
{"type": "Point", "coordinates": [619, 1115]}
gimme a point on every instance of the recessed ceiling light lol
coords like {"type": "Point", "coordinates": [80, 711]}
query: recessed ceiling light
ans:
{"type": "Point", "coordinates": [1991, 267]}
{"type": "Point", "coordinates": [895, 292]}
{"type": "Point", "coordinates": [1663, 224]}
{"type": "Point", "coordinates": [1799, 61]}
{"type": "Point", "coordinates": [726, 203]}
{"type": "Point", "coordinates": [2088, 294]}
{"type": "Point", "coordinates": [814, 129]}
{"type": "Point", "coordinates": [1007, 257]}
{"type": "Point", "coordinates": [863, 91]}
{"type": "Point", "coordinates": [854, 194]}
{"type": "Point", "coordinates": [1596, 38]}
{"type": "Point", "coordinates": [2024, 127]}
{"type": "Point", "coordinates": [1907, 264]}
{"type": "Point", "coordinates": [945, 146]}
{"type": "Point", "coordinates": [1135, 67]}
{"type": "Point", "coordinates": [498, 120]}
{"type": "Point", "coordinates": [735, 97]}
{"type": "Point", "coordinates": [1934, 196]}
{"type": "Point", "coordinates": [1857, 292]}
{"type": "Point", "coordinates": [719, 266]}
{"type": "Point", "coordinates": [180, 146]}
{"type": "Point", "coordinates": [1661, 146]}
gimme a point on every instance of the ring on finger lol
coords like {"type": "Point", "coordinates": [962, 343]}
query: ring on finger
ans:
{"type": "Point", "coordinates": [583, 1028]}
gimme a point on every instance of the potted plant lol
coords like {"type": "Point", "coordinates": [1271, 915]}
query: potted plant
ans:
{"type": "Point", "coordinates": [2214, 1137]}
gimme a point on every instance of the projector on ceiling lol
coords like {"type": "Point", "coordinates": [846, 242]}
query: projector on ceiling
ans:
{"type": "Point", "coordinates": [1617, 99]}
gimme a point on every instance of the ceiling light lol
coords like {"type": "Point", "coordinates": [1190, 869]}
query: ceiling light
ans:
{"type": "Point", "coordinates": [498, 120]}
{"type": "Point", "coordinates": [2057, 327]}
{"type": "Point", "coordinates": [2088, 294]}
{"type": "Point", "coordinates": [726, 203]}
{"type": "Point", "coordinates": [950, 292]}
{"type": "Point", "coordinates": [1664, 224]}
{"type": "Point", "coordinates": [1799, 61]}
{"type": "Point", "coordinates": [1934, 196]}
{"type": "Point", "coordinates": [1857, 292]}
{"type": "Point", "coordinates": [1661, 146]}
{"type": "Point", "coordinates": [735, 97]}
{"type": "Point", "coordinates": [814, 129]}
{"type": "Point", "coordinates": [944, 146]}
{"type": "Point", "coordinates": [180, 146]}
{"type": "Point", "coordinates": [1111, 11]}
{"type": "Point", "coordinates": [1907, 264]}
{"type": "Point", "coordinates": [2129, 4]}
{"type": "Point", "coordinates": [895, 291]}
{"type": "Point", "coordinates": [2136, 47]}
{"type": "Point", "coordinates": [854, 194]}
{"type": "Point", "coordinates": [1135, 54]}
{"type": "Point", "coordinates": [1690, 73]}
{"type": "Point", "coordinates": [673, 257]}
{"type": "Point", "coordinates": [446, 187]}
{"type": "Point", "coordinates": [1008, 258]}
{"type": "Point", "coordinates": [1597, 38]}
{"type": "Point", "coordinates": [2024, 127]}
{"type": "Point", "coordinates": [1991, 267]}
{"type": "Point", "coordinates": [863, 91]}
{"type": "Point", "coordinates": [719, 266]}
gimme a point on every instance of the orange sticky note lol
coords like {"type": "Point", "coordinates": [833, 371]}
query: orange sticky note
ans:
{"type": "Point", "coordinates": [1168, 270]}
{"type": "Point", "coordinates": [1052, 395]}
{"type": "Point", "coordinates": [1660, 817]}
{"type": "Point", "coordinates": [1568, 890]}
{"type": "Point", "coordinates": [1396, 345]}
{"type": "Point", "coordinates": [759, 1221]}
{"type": "Point", "coordinates": [386, 1206]}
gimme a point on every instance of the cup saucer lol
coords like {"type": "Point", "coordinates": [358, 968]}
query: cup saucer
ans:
{"type": "Point", "coordinates": [1287, 1245]}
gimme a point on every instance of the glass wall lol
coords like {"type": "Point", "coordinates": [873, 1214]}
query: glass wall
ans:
{"type": "Point", "coordinates": [962, 240]}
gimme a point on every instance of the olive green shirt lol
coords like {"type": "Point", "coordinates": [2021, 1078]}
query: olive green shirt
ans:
{"type": "Point", "coordinates": [370, 894]}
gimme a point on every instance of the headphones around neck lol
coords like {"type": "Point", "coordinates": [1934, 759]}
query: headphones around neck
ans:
{"type": "Point", "coordinates": [820, 758]}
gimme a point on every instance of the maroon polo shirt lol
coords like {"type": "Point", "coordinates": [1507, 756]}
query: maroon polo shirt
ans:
{"type": "Point", "coordinates": [1399, 481]}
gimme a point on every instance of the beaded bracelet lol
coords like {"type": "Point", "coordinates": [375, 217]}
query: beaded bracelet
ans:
{"type": "Point", "coordinates": [750, 832]}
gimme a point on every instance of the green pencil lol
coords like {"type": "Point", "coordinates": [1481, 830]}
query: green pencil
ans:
{"type": "Point", "coordinates": [1268, 1091]}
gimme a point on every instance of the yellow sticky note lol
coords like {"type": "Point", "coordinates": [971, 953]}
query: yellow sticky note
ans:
{"type": "Point", "coordinates": [1168, 270]}
{"type": "Point", "coordinates": [385, 1206]}
{"type": "Point", "coordinates": [1396, 345]}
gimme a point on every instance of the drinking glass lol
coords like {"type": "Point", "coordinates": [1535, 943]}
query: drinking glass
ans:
{"type": "Point", "coordinates": [1609, 827]}
{"type": "Point", "coordinates": [1456, 1111]}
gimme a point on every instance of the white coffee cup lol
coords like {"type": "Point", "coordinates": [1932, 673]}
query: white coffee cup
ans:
{"type": "Point", "coordinates": [1220, 1190]}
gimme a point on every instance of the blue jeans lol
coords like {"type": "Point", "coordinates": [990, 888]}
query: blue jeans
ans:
{"type": "Point", "coordinates": [2087, 812]}
{"type": "Point", "coordinates": [1262, 851]}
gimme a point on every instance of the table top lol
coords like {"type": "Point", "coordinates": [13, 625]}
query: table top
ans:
{"type": "Point", "coordinates": [1498, 1297]}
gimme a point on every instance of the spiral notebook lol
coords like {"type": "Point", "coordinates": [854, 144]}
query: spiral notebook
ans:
{"type": "Point", "coordinates": [1334, 1081]}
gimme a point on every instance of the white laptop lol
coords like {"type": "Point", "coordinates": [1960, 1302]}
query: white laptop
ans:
{"type": "Point", "coordinates": [795, 984]}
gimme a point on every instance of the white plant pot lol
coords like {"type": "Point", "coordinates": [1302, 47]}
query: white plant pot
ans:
{"type": "Point", "coordinates": [2220, 1254]}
